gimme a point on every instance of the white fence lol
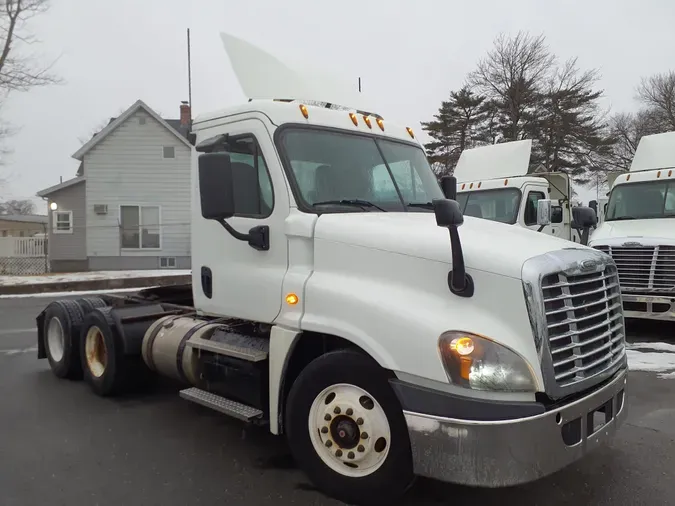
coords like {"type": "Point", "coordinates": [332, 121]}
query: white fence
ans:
{"type": "Point", "coordinates": [23, 255]}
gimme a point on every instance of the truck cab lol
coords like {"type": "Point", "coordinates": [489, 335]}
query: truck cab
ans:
{"type": "Point", "coordinates": [638, 230]}
{"type": "Point", "coordinates": [340, 298]}
{"type": "Point", "coordinates": [495, 184]}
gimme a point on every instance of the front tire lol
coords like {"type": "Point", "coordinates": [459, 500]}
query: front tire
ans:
{"type": "Point", "coordinates": [347, 431]}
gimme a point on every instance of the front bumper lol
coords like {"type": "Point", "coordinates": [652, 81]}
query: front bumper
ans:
{"type": "Point", "coordinates": [651, 307]}
{"type": "Point", "coordinates": [510, 452]}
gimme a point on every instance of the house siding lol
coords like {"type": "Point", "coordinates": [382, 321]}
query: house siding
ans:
{"type": "Point", "coordinates": [10, 228]}
{"type": "Point", "coordinates": [128, 168]}
{"type": "Point", "coordinates": [68, 252]}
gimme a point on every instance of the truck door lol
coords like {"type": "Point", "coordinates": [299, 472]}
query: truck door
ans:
{"type": "Point", "coordinates": [244, 282]}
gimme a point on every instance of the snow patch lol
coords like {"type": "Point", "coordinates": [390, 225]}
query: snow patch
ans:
{"type": "Point", "coordinates": [90, 276]}
{"type": "Point", "coordinates": [659, 358]}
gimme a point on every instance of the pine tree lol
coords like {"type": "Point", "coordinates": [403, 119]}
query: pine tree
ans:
{"type": "Point", "coordinates": [459, 124]}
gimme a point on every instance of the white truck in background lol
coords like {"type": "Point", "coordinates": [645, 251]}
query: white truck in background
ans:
{"type": "Point", "coordinates": [356, 321]}
{"type": "Point", "coordinates": [494, 183]}
{"type": "Point", "coordinates": [638, 230]}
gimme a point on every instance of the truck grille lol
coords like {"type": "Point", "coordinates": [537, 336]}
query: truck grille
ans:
{"type": "Point", "coordinates": [644, 268]}
{"type": "Point", "coordinates": [585, 324]}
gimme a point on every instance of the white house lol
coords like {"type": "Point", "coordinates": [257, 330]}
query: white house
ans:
{"type": "Point", "coordinates": [129, 205]}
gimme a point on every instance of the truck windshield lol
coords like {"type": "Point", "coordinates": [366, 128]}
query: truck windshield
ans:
{"type": "Point", "coordinates": [496, 205]}
{"type": "Point", "coordinates": [639, 201]}
{"type": "Point", "coordinates": [348, 171]}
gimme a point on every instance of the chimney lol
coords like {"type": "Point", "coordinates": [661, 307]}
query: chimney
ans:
{"type": "Point", "coordinates": [185, 113]}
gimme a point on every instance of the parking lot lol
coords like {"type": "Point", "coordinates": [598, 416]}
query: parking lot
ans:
{"type": "Point", "coordinates": [60, 444]}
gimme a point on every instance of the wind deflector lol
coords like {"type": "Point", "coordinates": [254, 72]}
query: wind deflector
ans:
{"type": "Point", "coordinates": [263, 76]}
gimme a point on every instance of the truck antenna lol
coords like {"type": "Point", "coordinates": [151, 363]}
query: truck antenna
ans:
{"type": "Point", "coordinates": [189, 61]}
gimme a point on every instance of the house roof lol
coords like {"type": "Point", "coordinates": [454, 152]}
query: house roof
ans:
{"type": "Point", "coordinates": [61, 186]}
{"type": "Point", "coordinates": [25, 218]}
{"type": "Point", "coordinates": [172, 125]}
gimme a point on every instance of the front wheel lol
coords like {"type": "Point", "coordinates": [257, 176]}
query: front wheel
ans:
{"type": "Point", "coordinates": [347, 431]}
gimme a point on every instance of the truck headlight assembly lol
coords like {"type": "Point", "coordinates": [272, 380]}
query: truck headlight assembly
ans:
{"type": "Point", "coordinates": [478, 363]}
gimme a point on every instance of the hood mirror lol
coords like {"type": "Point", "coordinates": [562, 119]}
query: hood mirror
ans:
{"type": "Point", "coordinates": [449, 215]}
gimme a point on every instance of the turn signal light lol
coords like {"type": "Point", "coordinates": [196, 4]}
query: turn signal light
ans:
{"type": "Point", "coordinates": [304, 111]}
{"type": "Point", "coordinates": [292, 299]}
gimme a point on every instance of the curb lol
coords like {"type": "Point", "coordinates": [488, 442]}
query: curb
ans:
{"type": "Point", "coordinates": [95, 284]}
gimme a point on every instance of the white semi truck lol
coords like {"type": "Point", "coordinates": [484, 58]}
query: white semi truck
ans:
{"type": "Point", "coordinates": [494, 183]}
{"type": "Point", "coordinates": [638, 229]}
{"type": "Point", "coordinates": [357, 321]}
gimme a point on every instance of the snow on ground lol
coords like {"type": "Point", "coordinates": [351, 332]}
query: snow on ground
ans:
{"type": "Point", "coordinates": [652, 357]}
{"type": "Point", "coordinates": [89, 276]}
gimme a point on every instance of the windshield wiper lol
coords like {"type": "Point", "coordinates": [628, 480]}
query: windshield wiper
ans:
{"type": "Point", "coordinates": [622, 218]}
{"type": "Point", "coordinates": [424, 205]}
{"type": "Point", "coordinates": [349, 202]}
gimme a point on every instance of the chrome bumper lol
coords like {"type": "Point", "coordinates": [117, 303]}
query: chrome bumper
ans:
{"type": "Point", "coordinates": [649, 312]}
{"type": "Point", "coordinates": [510, 452]}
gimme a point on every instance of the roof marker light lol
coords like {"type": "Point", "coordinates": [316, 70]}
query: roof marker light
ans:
{"type": "Point", "coordinates": [380, 123]}
{"type": "Point", "coordinates": [628, 177]}
{"type": "Point", "coordinates": [463, 185]}
{"type": "Point", "coordinates": [506, 181]}
{"type": "Point", "coordinates": [470, 186]}
{"type": "Point", "coordinates": [670, 173]}
{"type": "Point", "coordinates": [658, 174]}
{"type": "Point", "coordinates": [480, 184]}
{"type": "Point", "coordinates": [410, 132]}
{"type": "Point", "coordinates": [366, 120]}
{"type": "Point", "coordinates": [304, 111]}
{"type": "Point", "coordinates": [354, 119]}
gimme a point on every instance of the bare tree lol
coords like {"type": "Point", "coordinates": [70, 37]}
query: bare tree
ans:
{"type": "Point", "coordinates": [657, 93]}
{"type": "Point", "coordinates": [20, 72]}
{"type": "Point", "coordinates": [511, 76]}
{"type": "Point", "coordinates": [17, 207]}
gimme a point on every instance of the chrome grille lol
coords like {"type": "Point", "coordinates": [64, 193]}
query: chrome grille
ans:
{"type": "Point", "coordinates": [644, 268]}
{"type": "Point", "coordinates": [585, 324]}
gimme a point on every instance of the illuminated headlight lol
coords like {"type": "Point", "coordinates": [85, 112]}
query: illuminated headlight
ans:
{"type": "Point", "coordinates": [478, 363]}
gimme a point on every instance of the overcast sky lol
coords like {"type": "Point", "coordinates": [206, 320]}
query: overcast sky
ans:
{"type": "Point", "coordinates": [410, 54]}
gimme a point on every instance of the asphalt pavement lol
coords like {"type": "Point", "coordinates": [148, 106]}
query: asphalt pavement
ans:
{"type": "Point", "coordinates": [62, 445]}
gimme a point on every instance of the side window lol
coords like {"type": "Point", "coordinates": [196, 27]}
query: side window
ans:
{"type": "Point", "coordinates": [254, 196]}
{"type": "Point", "coordinates": [530, 214]}
{"type": "Point", "coordinates": [669, 206]}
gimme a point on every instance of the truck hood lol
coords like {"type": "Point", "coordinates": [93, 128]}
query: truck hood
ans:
{"type": "Point", "coordinates": [488, 246]}
{"type": "Point", "coordinates": [654, 229]}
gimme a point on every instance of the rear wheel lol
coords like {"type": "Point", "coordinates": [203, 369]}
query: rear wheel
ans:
{"type": "Point", "coordinates": [347, 431]}
{"type": "Point", "coordinates": [106, 368]}
{"type": "Point", "coordinates": [61, 332]}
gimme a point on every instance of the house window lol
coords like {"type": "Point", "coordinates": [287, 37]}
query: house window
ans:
{"type": "Point", "coordinates": [140, 227]}
{"type": "Point", "coordinates": [167, 262]}
{"type": "Point", "coordinates": [169, 152]}
{"type": "Point", "coordinates": [63, 222]}
{"type": "Point", "coordinates": [141, 120]}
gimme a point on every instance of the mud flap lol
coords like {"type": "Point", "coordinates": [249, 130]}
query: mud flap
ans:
{"type": "Point", "coordinates": [40, 321]}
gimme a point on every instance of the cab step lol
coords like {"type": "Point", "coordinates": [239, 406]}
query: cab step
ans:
{"type": "Point", "coordinates": [250, 348]}
{"type": "Point", "coordinates": [226, 406]}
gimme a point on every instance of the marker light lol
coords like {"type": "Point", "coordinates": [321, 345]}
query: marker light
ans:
{"type": "Point", "coordinates": [628, 177]}
{"type": "Point", "coordinates": [480, 184]}
{"type": "Point", "coordinates": [304, 111]}
{"type": "Point", "coordinates": [354, 120]}
{"type": "Point", "coordinates": [463, 185]}
{"type": "Point", "coordinates": [670, 173]}
{"type": "Point", "coordinates": [506, 181]}
{"type": "Point", "coordinates": [380, 123]}
{"type": "Point", "coordinates": [291, 299]}
{"type": "Point", "coordinates": [366, 119]}
{"type": "Point", "coordinates": [53, 206]}
{"type": "Point", "coordinates": [470, 186]}
{"type": "Point", "coordinates": [410, 132]}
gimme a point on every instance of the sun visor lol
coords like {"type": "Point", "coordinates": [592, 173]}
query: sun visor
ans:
{"type": "Point", "coordinates": [262, 76]}
{"type": "Point", "coordinates": [655, 152]}
{"type": "Point", "coordinates": [508, 159]}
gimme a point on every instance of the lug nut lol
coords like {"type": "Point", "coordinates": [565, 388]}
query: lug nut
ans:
{"type": "Point", "coordinates": [327, 417]}
{"type": "Point", "coordinates": [364, 435]}
{"type": "Point", "coordinates": [338, 453]}
{"type": "Point", "coordinates": [324, 430]}
{"type": "Point", "coordinates": [350, 455]}
{"type": "Point", "coordinates": [350, 412]}
{"type": "Point", "coordinates": [329, 443]}
{"type": "Point", "coordinates": [359, 421]}
{"type": "Point", "coordinates": [361, 448]}
{"type": "Point", "coordinates": [336, 410]}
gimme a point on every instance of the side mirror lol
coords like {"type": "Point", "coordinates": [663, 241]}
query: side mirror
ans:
{"type": "Point", "coordinates": [544, 212]}
{"type": "Point", "coordinates": [448, 214]}
{"type": "Point", "coordinates": [449, 187]}
{"type": "Point", "coordinates": [584, 217]}
{"type": "Point", "coordinates": [593, 204]}
{"type": "Point", "coordinates": [556, 214]}
{"type": "Point", "coordinates": [216, 189]}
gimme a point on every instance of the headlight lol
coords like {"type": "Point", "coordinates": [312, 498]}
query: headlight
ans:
{"type": "Point", "coordinates": [478, 363]}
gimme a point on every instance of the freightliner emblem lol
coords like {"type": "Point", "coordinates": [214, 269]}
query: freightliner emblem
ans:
{"type": "Point", "coordinates": [588, 265]}
{"type": "Point", "coordinates": [631, 244]}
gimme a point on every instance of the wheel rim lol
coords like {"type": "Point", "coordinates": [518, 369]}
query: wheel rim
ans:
{"type": "Point", "coordinates": [349, 430]}
{"type": "Point", "coordinates": [96, 351]}
{"type": "Point", "coordinates": [55, 339]}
